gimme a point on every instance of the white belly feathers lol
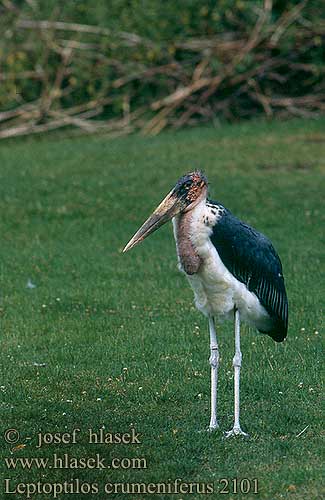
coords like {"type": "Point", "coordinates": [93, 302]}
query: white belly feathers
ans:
{"type": "Point", "coordinates": [216, 290]}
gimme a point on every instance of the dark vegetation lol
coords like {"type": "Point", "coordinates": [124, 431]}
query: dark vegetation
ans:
{"type": "Point", "coordinates": [125, 65]}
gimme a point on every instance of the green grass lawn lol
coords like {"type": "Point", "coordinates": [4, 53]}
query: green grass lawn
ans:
{"type": "Point", "coordinates": [113, 340]}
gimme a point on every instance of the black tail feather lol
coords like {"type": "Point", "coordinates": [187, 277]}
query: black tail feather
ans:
{"type": "Point", "coordinates": [278, 332]}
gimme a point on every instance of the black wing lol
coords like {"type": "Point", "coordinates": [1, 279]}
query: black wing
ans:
{"type": "Point", "coordinates": [252, 259]}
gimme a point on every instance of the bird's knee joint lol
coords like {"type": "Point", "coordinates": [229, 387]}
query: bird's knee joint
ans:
{"type": "Point", "coordinates": [214, 357]}
{"type": "Point", "coordinates": [237, 359]}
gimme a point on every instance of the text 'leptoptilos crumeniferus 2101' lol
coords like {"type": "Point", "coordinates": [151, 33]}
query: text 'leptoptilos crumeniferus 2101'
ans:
{"type": "Point", "coordinates": [233, 270]}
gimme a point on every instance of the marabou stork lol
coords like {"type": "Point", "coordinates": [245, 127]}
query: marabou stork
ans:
{"type": "Point", "coordinates": [234, 271]}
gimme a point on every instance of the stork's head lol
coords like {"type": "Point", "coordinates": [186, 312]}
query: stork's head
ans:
{"type": "Point", "coordinates": [188, 191]}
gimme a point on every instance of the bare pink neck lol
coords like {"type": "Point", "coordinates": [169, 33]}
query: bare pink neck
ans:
{"type": "Point", "coordinates": [189, 258]}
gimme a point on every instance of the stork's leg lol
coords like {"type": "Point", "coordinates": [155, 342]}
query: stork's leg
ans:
{"type": "Point", "coordinates": [236, 430]}
{"type": "Point", "coordinates": [214, 362]}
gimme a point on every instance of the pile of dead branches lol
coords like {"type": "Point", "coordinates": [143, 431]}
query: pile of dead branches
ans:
{"type": "Point", "coordinates": [95, 80]}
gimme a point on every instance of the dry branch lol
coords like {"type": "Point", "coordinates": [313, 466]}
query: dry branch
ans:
{"type": "Point", "coordinates": [230, 75]}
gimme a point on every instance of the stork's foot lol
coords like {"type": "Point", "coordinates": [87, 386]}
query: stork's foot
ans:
{"type": "Point", "coordinates": [235, 431]}
{"type": "Point", "coordinates": [213, 426]}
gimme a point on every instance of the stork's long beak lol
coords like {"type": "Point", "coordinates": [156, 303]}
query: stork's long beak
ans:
{"type": "Point", "coordinates": [168, 208]}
